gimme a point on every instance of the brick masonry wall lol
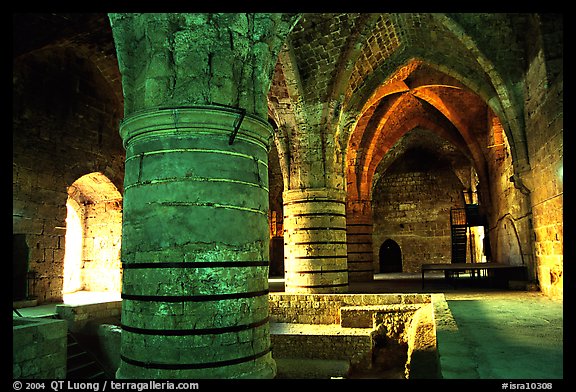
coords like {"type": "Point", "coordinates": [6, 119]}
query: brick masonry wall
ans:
{"type": "Point", "coordinates": [526, 226]}
{"type": "Point", "coordinates": [509, 221]}
{"type": "Point", "coordinates": [412, 207]}
{"type": "Point", "coordinates": [65, 125]}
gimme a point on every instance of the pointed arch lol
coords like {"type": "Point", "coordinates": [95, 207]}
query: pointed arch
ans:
{"type": "Point", "coordinates": [505, 103]}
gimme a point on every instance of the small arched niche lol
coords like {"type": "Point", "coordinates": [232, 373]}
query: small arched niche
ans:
{"type": "Point", "coordinates": [390, 257]}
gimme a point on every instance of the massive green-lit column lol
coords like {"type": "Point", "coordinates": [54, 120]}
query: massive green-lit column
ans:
{"type": "Point", "coordinates": [195, 230]}
{"type": "Point", "coordinates": [195, 288]}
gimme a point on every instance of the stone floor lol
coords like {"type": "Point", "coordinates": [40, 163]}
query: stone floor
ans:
{"type": "Point", "coordinates": [502, 334]}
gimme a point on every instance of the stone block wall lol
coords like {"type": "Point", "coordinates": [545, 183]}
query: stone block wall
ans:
{"type": "Point", "coordinates": [329, 342]}
{"type": "Point", "coordinates": [87, 318]}
{"type": "Point", "coordinates": [325, 308]}
{"type": "Point", "coordinates": [412, 207]}
{"type": "Point", "coordinates": [69, 130]}
{"type": "Point", "coordinates": [544, 133]}
{"type": "Point", "coordinates": [38, 348]}
{"type": "Point", "coordinates": [509, 219]}
{"type": "Point", "coordinates": [526, 221]}
{"type": "Point", "coordinates": [102, 240]}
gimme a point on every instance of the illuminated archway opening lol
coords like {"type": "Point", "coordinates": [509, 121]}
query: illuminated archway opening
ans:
{"type": "Point", "coordinates": [93, 237]}
{"type": "Point", "coordinates": [73, 253]}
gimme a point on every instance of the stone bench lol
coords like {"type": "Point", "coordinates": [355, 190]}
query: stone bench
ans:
{"type": "Point", "coordinates": [501, 273]}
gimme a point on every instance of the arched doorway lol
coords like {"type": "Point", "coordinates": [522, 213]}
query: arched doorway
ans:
{"type": "Point", "coordinates": [93, 236]}
{"type": "Point", "coordinates": [390, 257]}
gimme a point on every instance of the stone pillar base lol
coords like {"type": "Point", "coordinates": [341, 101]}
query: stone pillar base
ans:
{"type": "Point", "coordinates": [315, 257]}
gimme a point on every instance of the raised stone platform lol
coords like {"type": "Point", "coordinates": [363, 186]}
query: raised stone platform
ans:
{"type": "Point", "coordinates": [369, 316]}
{"type": "Point", "coordinates": [373, 333]}
{"type": "Point", "coordinates": [321, 335]}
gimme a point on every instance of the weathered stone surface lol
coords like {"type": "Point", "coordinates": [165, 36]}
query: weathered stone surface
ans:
{"type": "Point", "coordinates": [423, 361]}
{"type": "Point", "coordinates": [190, 59]}
{"type": "Point", "coordinates": [484, 88]}
{"type": "Point", "coordinates": [39, 348]}
{"type": "Point", "coordinates": [302, 368]}
{"type": "Point", "coordinates": [195, 252]}
{"type": "Point", "coordinates": [315, 241]}
{"type": "Point", "coordinates": [376, 333]}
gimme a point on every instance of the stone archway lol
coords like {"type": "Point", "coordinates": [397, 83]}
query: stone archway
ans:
{"type": "Point", "coordinates": [390, 257]}
{"type": "Point", "coordinates": [93, 236]}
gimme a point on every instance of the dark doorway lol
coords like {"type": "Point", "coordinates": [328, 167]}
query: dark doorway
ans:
{"type": "Point", "coordinates": [19, 267]}
{"type": "Point", "coordinates": [276, 256]}
{"type": "Point", "coordinates": [390, 257]}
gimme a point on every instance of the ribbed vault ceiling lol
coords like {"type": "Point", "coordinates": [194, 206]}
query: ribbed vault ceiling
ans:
{"type": "Point", "coordinates": [381, 75]}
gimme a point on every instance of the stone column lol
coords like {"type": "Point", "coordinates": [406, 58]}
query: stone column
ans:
{"type": "Point", "coordinates": [359, 236]}
{"type": "Point", "coordinates": [195, 220]}
{"type": "Point", "coordinates": [315, 241]}
{"type": "Point", "coordinates": [195, 246]}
